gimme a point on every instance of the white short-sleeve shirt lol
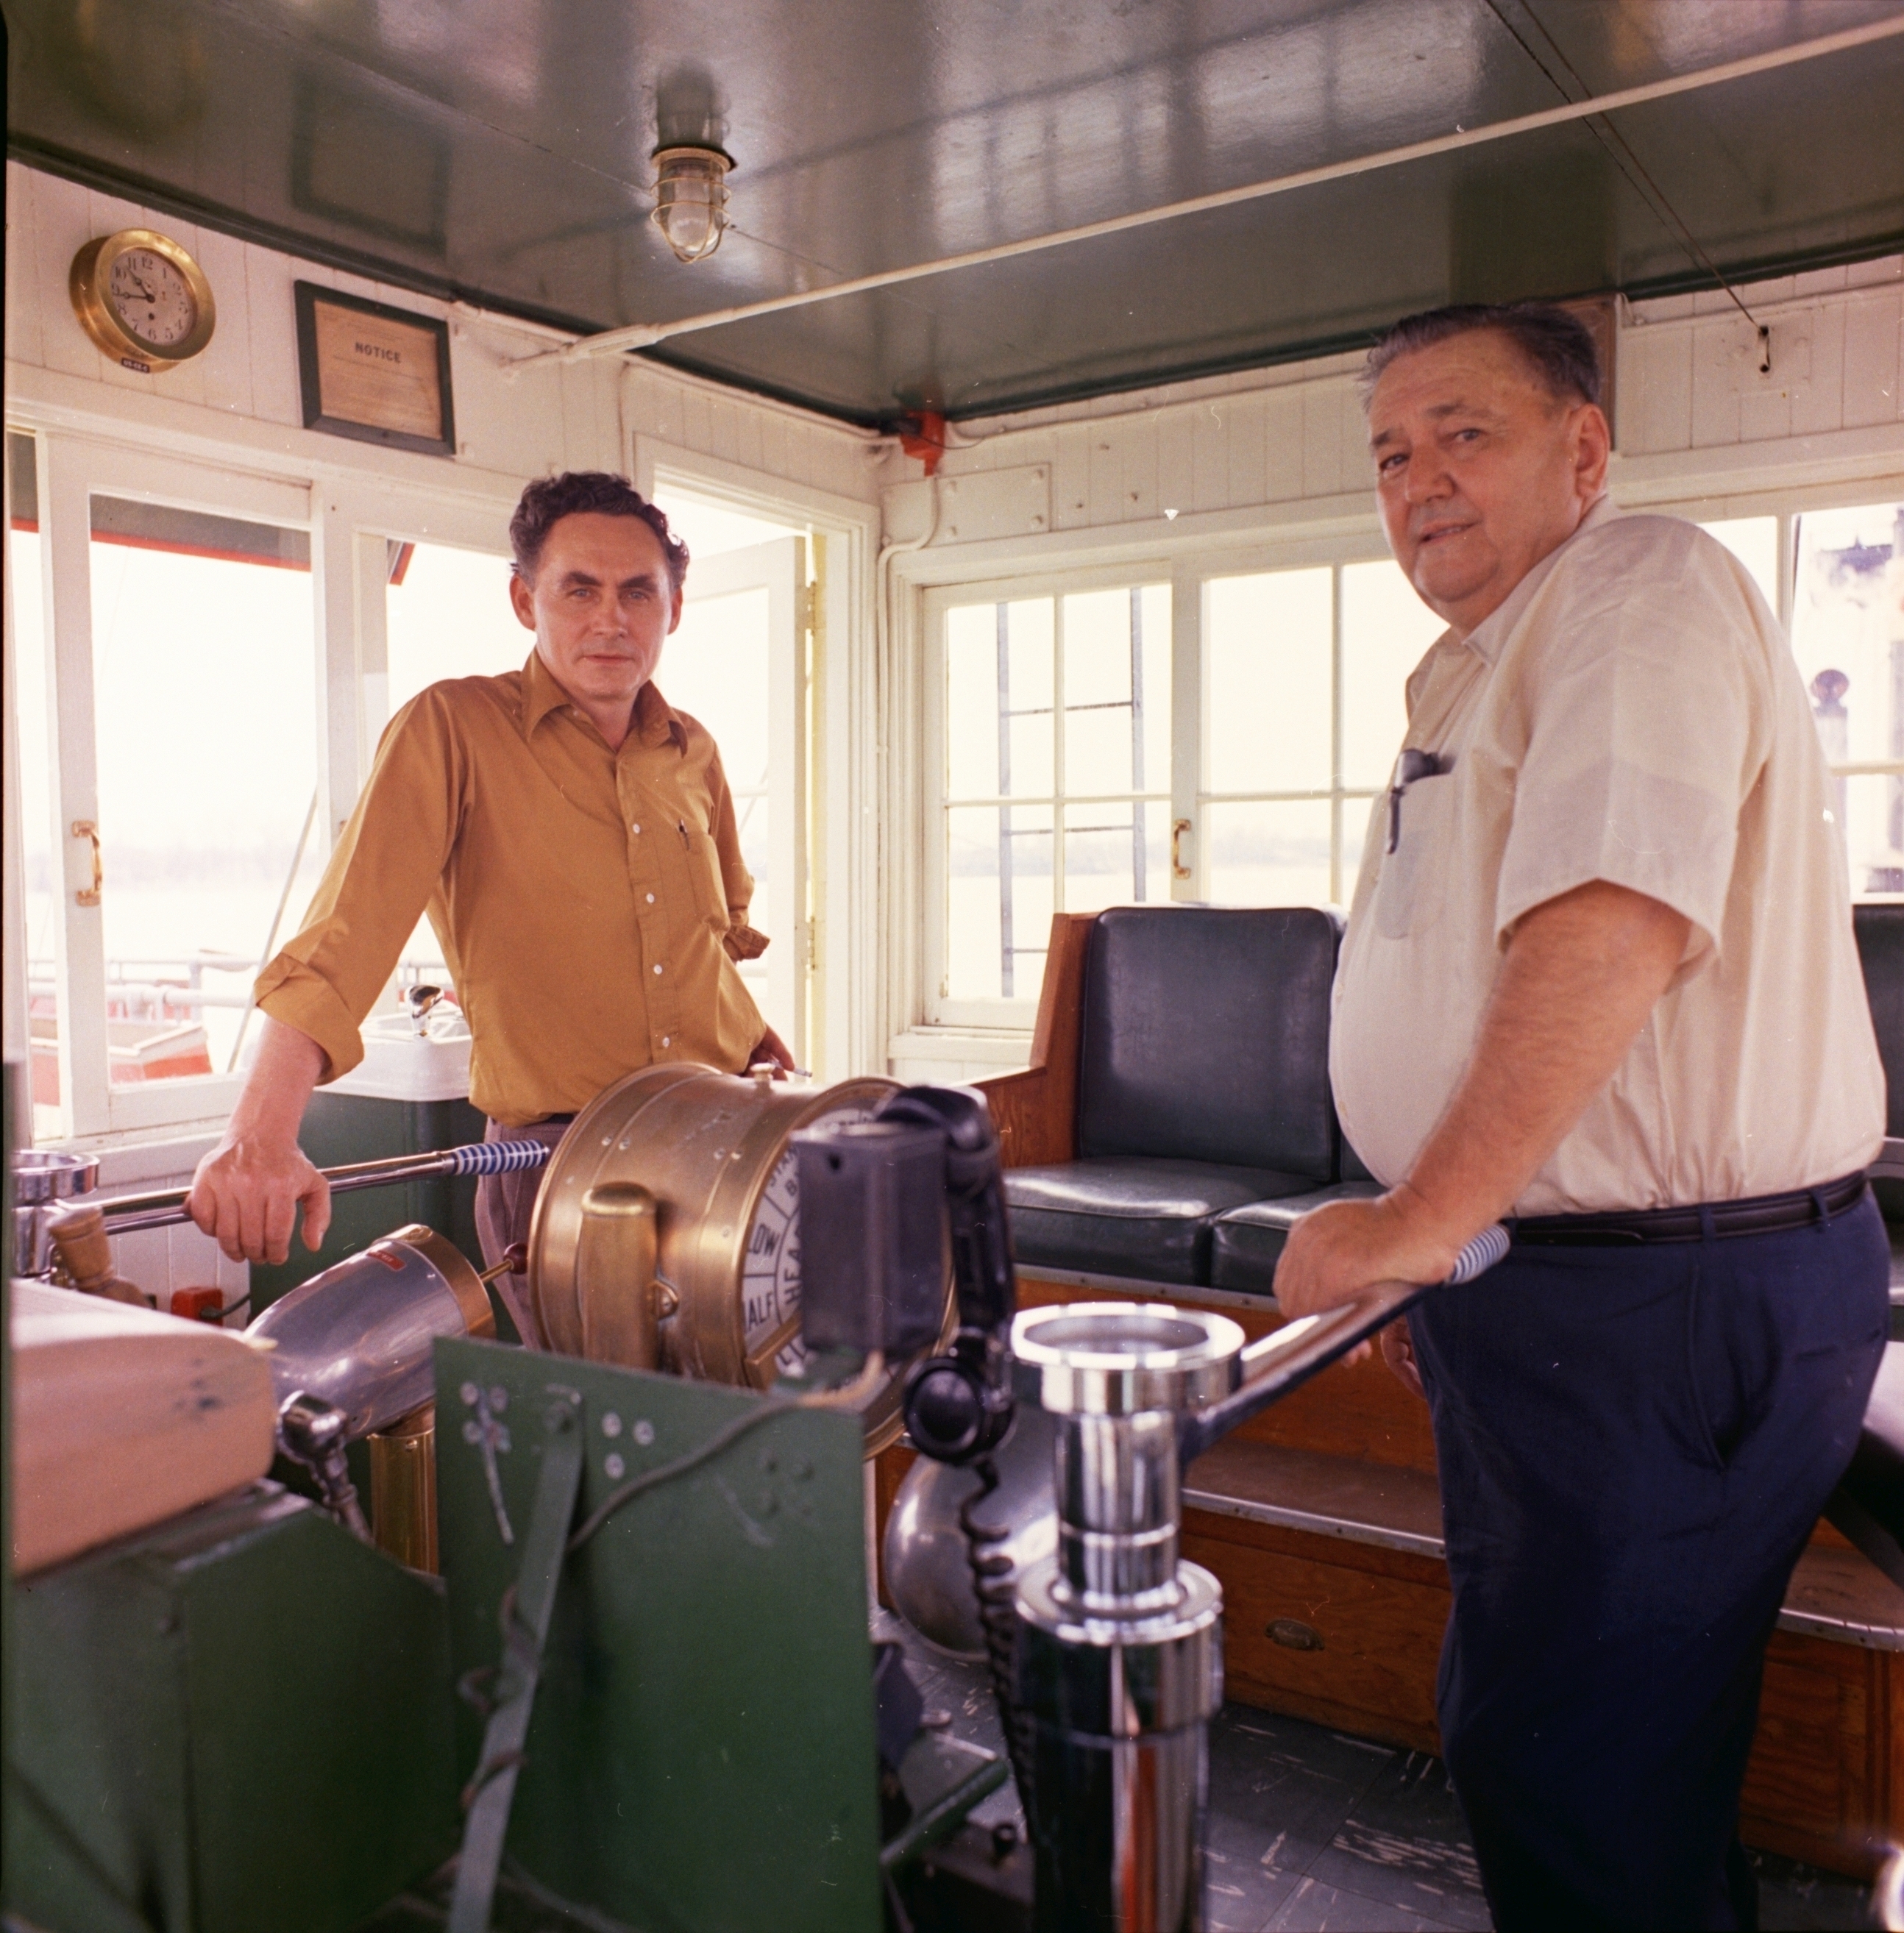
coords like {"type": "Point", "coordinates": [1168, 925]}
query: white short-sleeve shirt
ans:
{"type": "Point", "coordinates": [1631, 714]}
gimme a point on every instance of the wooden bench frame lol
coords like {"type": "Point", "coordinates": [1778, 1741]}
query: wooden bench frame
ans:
{"type": "Point", "coordinates": [1321, 1518]}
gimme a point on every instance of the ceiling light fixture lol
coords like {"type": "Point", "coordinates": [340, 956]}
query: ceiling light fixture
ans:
{"type": "Point", "coordinates": [690, 198]}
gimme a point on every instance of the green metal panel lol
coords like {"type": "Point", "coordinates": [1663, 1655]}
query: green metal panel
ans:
{"type": "Point", "coordinates": [702, 1758]}
{"type": "Point", "coordinates": [240, 1721]}
{"type": "Point", "coordinates": [340, 1127]}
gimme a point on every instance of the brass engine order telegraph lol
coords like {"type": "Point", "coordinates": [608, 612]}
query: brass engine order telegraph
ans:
{"type": "Point", "coordinates": [666, 1235]}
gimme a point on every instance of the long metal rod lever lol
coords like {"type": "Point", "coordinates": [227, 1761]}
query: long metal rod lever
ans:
{"type": "Point", "coordinates": [166, 1208]}
{"type": "Point", "coordinates": [1289, 1356]}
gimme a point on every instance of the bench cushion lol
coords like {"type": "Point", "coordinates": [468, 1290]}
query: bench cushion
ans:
{"type": "Point", "coordinates": [1245, 1242]}
{"type": "Point", "coordinates": [1131, 1216]}
{"type": "Point", "coordinates": [1205, 1037]}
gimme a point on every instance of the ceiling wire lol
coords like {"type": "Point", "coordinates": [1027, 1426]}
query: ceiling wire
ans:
{"type": "Point", "coordinates": [1601, 127]}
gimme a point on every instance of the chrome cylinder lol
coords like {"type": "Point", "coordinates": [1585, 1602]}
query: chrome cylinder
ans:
{"type": "Point", "coordinates": [43, 1180]}
{"type": "Point", "coordinates": [1120, 1658]}
{"type": "Point", "coordinates": [361, 1335]}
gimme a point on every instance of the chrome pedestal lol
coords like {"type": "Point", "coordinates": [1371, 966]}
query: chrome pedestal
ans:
{"type": "Point", "coordinates": [1120, 1661]}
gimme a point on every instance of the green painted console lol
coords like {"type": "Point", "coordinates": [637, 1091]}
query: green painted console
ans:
{"type": "Point", "coordinates": [238, 1721]}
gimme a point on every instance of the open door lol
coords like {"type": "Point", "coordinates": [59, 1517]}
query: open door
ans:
{"type": "Point", "coordinates": [738, 664]}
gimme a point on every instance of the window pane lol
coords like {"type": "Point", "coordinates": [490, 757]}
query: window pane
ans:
{"type": "Point", "coordinates": [1116, 854]}
{"type": "Point", "coordinates": [1848, 631]}
{"type": "Point", "coordinates": [1266, 682]}
{"type": "Point", "coordinates": [1269, 855]}
{"type": "Point", "coordinates": [1117, 691]}
{"type": "Point", "coordinates": [1872, 807]}
{"type": "Point", "coordinates": [205, 694]}
{"type": "Point", "coordinates": [1356, 817]}
{"type": "Point", "coordinates": [999, 903]}
{"type": "Point", "coordinates": [1025, 698]}
{"type": "Point", "coordinates": [1385, 630]}
{"type": "Point", "coordinates": [714, 668]}
{"type": "Point", "coordinates": [1754, 541]}
{"type": "Point", "coordinates": [972, 633]}
{"type": "Point", "coordinates": [32, 699]}
{"type": "Point", "coordinates": [447, 614]}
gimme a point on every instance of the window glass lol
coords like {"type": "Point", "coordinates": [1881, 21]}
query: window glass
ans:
{"type": "Point", "coordinates": [1754, 541]}
{"type": "Point", "coordinates": [205, 715]}
{"type": "Point", "coordinates": [1269, 853]}
{"type": "Point", "coordinates": [1266, 678]}
{"type": "Point", "coordinates": [1847, 636]}
{"type": "Point", "coordinates": [1057, 774]}
{"type": "Point", "coordinates": [1386, 630]}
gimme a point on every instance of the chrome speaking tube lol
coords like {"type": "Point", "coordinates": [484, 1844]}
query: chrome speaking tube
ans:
{"type": "Point", "coordinates": [358, 1337]}
{"type": "Point", "coordinates": [1120, 1654]}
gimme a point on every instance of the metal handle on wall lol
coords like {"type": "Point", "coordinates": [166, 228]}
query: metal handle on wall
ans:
{"type": "Point", "coordinates": [1177, 869]}
{"type": "Point", "coordinates": [87, 829]}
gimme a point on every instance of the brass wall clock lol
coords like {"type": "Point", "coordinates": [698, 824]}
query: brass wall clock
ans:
{"type": "Point", "coordinates": [142, 299]}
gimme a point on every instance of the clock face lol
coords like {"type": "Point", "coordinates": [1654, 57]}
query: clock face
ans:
{"type": "Point", "coordinates": [151, 299]}
{"type": "Point", "coordinates": [770, 1272]}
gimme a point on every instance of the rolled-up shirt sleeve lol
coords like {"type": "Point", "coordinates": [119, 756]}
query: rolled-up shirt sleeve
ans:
{"type": "Point", "coordinates": [383, 873]}
{"type": "Point", "coordinates": [1643, 745]}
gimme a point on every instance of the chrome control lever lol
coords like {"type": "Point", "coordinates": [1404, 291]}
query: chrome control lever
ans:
{"type": "Point", "coordinates": [1269, 1368]}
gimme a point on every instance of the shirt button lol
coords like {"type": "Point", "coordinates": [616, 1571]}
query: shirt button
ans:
{"type": "Point", "coordinates": [665, 1041]}
{"type": "Point", "coordinates": [636, 827]}
{"type": "Point", "coordinates": [650, 899]}
{"type": "Point", "coordinates": [657, 967]}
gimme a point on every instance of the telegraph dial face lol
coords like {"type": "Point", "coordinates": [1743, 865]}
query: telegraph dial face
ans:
{"type": "Point", "coordinates": [770, 1270]}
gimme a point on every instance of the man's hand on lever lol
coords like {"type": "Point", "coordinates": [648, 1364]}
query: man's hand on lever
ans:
{"type": "Point", "coordinates": [1579, 977]}
{"type": "Point", "coordinates": [248, 1190]}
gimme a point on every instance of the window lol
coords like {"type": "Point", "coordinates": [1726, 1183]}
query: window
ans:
{"type": "Point", "coordinates": [1303, 677]}
{"type": "Point", "coordinates": [1848, 635]}
{"type": "Point", "coordinates": [166, 681]}
{"type": "Point", "coordinates": [205, 717]}
{"type": "Point", "coordinates": [1055, 789]}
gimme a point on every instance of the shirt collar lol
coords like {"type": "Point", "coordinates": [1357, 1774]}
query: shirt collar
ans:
{"type": "Point", "coordinates": [656, 720]}
{"type": "Point", "coordinates": [1487, 637]}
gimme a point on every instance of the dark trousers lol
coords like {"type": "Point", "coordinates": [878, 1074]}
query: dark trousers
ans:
{"type": "Point", "coordinates": [505, 1207]}
{"type": "Point", "coordinates": [1634, 1443]}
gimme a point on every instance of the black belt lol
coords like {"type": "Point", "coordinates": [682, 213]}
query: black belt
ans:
{"type": "Point", "coordinates": [1759, 1215]}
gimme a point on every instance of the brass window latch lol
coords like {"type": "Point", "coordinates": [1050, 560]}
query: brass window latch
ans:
{"type": "Point", "coordinates": [1177, 869]}
{"type": "Point", "coordinates": [88, 896]}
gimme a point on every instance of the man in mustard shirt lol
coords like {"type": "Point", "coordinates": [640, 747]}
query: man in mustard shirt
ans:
{"type": "Point", "coordinates": [572, 839]}
{"type": "Point", "coordinates": [1599, 981]}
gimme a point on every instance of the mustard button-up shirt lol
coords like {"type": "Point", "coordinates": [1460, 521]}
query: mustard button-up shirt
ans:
{"type": "Point", "coordinates": [590, 904]}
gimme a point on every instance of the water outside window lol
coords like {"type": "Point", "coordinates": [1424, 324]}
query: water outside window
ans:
{"type": "Point", "coordinates": [1847, 636]}
{"type": "Point", "coordinates": [1057, 774]}
{"type": "Point", "coordinates": [205, 706]}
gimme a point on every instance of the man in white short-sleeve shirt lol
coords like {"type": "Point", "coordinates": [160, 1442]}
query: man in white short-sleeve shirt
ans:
{"type": "Point", "coordinates": [1599, 980]}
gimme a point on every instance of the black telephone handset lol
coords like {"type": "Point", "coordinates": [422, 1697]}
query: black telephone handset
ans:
{"type": "Point", "coordinates": [958, 1407]}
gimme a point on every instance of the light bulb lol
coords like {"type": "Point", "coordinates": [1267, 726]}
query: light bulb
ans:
{"type": "Point", "coordinates": [690, 199]}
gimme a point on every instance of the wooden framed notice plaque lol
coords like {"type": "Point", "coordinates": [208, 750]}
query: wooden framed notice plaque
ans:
{"type": "Point", "coordinates": [378, 373]}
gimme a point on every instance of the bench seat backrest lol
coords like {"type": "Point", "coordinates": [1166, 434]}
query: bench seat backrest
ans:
{"type": "Point", "coordinates": [1205, 1037]}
